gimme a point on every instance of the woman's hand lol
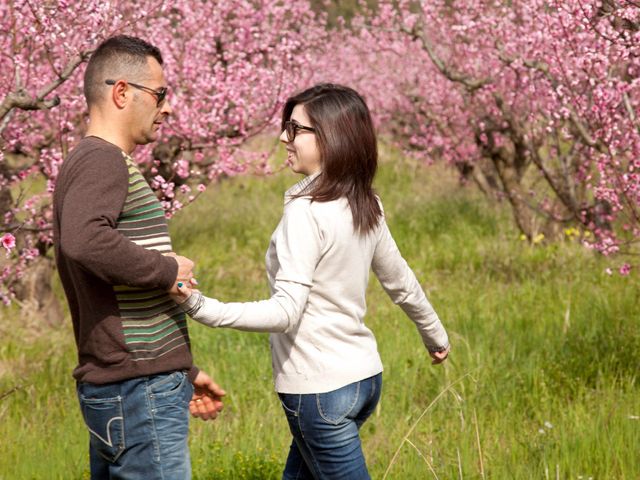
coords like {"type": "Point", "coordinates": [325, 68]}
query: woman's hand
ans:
{"type": "Point", "coordinates": [439, 357]}
{"type": "Point", "coordinates": [184, 291]}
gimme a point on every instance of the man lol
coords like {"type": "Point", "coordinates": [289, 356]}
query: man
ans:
{"type": "Point", "coordinates": [135, 375]}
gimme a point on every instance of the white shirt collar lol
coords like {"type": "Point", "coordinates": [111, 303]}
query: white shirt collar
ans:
{"type": "Point", "coordinates": [300, 187]}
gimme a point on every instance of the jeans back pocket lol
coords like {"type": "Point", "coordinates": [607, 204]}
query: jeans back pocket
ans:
{"type": "Point", "coordinates": [105, 421]}
{"type": "Point", "coordinates": [336, 405]}
{"type": "Point", "coordinates": [290, 403]}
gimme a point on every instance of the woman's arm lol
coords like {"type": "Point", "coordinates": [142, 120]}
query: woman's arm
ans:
{"type": "Point", "coordinates": [298, 246]}
{"type": "Point", "coordinates": [278, 314]}
{"type": "Point", "coordinates": [401, 284]}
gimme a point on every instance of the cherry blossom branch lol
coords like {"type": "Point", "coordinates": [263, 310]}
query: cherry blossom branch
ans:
{"type": "Point", "coordinates": [469, 83]}
{"type": "Point", "coordinates": [21, 99]}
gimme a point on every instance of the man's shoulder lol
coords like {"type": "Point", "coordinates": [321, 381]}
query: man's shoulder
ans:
{"type": "Point", "coordinates": [92, 153]}
{"type": "Point", "coordinates": [90, 147]}
{"type": "Point", "coordinates": [92, 161]}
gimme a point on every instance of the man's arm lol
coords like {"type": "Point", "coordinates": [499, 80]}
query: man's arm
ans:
{"type": "Point", "coordinates": [89, 211]}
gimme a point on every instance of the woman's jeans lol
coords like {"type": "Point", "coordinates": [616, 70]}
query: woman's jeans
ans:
{"type": "Point", "coordinates": [138, 428]}
{"type": "Point", "coordinates": [326, 444]}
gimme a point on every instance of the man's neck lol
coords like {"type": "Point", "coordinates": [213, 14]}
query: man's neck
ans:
{"type": "Point", "coordinates": [98, 127]}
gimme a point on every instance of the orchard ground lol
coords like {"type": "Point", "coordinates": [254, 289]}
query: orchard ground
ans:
{"type": "Point", "coordinates": [541, 381]}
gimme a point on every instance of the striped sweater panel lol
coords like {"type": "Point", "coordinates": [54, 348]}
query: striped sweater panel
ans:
{"type": "Point", "coordinates": [153, 325]}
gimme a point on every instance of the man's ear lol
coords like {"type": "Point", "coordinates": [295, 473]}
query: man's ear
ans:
{"type": "Point", "coordinates": [120, 94]}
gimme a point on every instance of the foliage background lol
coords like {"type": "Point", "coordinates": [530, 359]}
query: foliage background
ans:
{"type": "Point", "coordinates": [542, 379]}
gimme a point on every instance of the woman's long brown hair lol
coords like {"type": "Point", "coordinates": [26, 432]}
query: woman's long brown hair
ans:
{"type": "Point", "coordinates": [348, 149]}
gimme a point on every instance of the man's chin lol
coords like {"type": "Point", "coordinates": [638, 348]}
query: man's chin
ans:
{"type": "Point", "coordinates": [149, 138]}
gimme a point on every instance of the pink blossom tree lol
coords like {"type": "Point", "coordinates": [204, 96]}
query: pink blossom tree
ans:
{"type": "Point", "coordinates": [536, 101]}
{"type": "Point", "coordinates": [230, 65]}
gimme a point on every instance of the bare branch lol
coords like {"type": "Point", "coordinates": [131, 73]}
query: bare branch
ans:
{"type": "Point", "coordinates": [631, 111]}
{"type": "Point", "coordinates": [573, 116]}
{"type": "Point", "coordinates": [21, 99]}
{"type": "Point", "coordinates": [471, 84]}
{"type": "Point", "coordinates": [14, 227]}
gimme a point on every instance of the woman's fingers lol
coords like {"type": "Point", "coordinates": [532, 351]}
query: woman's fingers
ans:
{"type": "Point", "coordinates": [439, 357]}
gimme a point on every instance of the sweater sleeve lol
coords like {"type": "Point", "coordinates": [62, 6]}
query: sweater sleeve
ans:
{"type": "Point", "coordinates": [298, 249]}
{"type": "Point", "coordinates": [95, 194]}
{"type": "Point", "coordinates": [278, 314]}
{"type": "Point", "coordinates": [401, 284]}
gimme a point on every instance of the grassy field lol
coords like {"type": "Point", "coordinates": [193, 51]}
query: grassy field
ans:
{"type": "Point", "coordinates": [541, 382]}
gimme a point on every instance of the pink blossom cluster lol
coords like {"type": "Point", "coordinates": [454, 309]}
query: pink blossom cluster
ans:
{"type": "Point", "coordinates": [550, 85]}
{"type": "Point", "coordinates": [230, 66]}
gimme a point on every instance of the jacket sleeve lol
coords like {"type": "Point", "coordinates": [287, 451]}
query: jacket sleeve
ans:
{"type": "Point", "coordinates": [298, 246]}
{"type": "Point", "coordinates": [95, 194]}
{"type": "Point", "coordinates": [402, 286]}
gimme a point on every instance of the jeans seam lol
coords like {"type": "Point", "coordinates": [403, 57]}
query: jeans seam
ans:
{"type": "Point", "coordinates": [299, 416]}
{"type": "Point", "coordinates": [340, 419]}
{"type": "Point", "coordinates": [316, 465]}
{"type": "Point", "coordinates": [154, 431]}
{"type": "Point", "coordinates": [373, 387]}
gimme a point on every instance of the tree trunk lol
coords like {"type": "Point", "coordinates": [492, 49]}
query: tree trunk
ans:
{"type": "Point", "coordinates": [39, 305]}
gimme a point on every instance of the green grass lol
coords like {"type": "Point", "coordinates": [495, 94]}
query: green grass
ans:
{"type": "Point", "coordinates": [541, 381]}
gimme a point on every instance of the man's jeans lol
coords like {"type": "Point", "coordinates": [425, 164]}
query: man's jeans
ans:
{"type": "Point", "coordinates": [138, 428]}
{"type": "Point", "coordinates": [326, 444]}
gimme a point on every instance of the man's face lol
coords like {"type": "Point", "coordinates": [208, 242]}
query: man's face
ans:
{"type": "Point", "coordinates": [146, 115]}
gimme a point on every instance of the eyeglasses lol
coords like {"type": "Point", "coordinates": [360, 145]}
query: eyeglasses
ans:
{"type": "Point", "coordinates": [292, 128]}
{"type": "Point", "coordinates": [160, 94]}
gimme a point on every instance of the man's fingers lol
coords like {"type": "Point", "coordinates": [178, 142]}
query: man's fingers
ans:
{"type": "Point", "coordinates": [217, 390]}
{"type": "Point", "coordinates": [218, 405]}
{"type": "Point", "coordinates": [206, 401]}
{"type": "Point", "coordinates": [197, 413]}
{"type": "Point", "coordinates": [212, 388]}
{"type": "Point", "coordinates": [203, 408]}
{"type": "Point", "coordinates": [186, 278]}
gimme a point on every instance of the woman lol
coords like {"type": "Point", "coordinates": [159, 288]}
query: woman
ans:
{"type": "Point", "coordinates": [326, 366]}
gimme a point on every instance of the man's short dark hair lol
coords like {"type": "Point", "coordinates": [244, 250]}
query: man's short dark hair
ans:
{"type": "Point", "coordinates": [114, 58]}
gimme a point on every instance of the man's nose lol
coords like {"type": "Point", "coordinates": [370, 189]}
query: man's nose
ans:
{"type": "Point", "coordinates": [166, 107]}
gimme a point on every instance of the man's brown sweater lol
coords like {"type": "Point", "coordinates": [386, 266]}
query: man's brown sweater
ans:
{"type": "Point", "coordinates": [110, 234]}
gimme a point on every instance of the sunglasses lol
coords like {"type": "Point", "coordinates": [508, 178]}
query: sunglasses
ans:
{"type": "Point", "coordinates": [292, 128]}
{"type": "Point", "coordinates": [160, 94]}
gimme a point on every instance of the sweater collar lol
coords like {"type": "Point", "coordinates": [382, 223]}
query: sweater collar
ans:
{"type": "Point", "coordinates": [300, 188]}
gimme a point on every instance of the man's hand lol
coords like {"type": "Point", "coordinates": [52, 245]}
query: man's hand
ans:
{"type": "Point", "coordinates": [439, 357]}
{"type": "Point", "coordinates": [185, 271]}
{"type": "Point", "coordinates": [206, 402]}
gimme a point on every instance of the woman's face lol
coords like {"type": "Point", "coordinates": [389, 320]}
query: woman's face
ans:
{"type": "Point", "coordinates": [303, 155]}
